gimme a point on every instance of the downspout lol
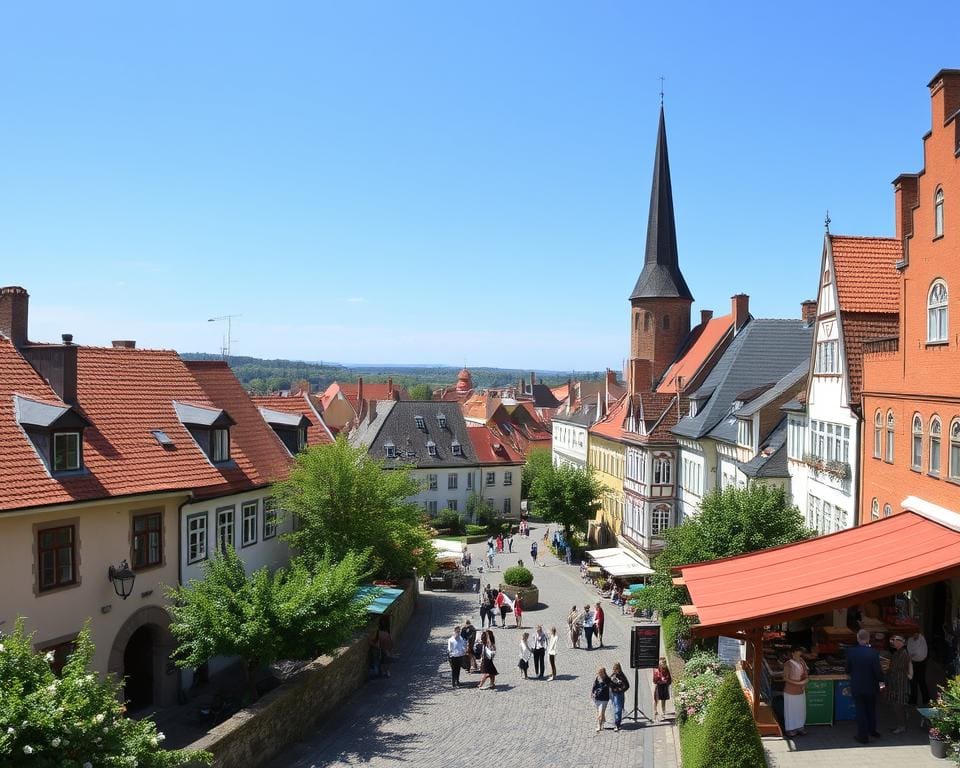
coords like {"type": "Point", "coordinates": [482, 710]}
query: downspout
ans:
{"type": "Point", "coordinates": [180, 537]}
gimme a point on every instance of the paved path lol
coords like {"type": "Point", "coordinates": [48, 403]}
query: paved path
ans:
{"type": "Point", "coordinates": [416, 718]}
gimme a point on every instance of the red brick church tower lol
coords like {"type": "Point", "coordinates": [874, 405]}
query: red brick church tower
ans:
{"type": "Point", "coordinates": [660, 302]}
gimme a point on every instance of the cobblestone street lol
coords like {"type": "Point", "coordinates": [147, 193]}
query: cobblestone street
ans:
{"type": "Point", "coordinates": [415, 717]}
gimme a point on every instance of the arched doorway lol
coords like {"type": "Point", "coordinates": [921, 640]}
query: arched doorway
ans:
{"type": "Point", "coordinates": [138, 663]}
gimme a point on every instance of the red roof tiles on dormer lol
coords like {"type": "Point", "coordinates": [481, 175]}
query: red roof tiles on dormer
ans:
{"type": "Point", "coordinates": [298, 404]}
{"type": "Point", "coordinates": [491, 449]}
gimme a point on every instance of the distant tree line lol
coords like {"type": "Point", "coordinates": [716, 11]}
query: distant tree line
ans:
{"type": "Point", "coordinates": [263, 376]}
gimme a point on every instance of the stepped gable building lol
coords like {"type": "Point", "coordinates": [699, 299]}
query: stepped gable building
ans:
{"type": "Point", "coordinates": [911, 392]}
{"type": "Point", "coordinates": [857, 299]}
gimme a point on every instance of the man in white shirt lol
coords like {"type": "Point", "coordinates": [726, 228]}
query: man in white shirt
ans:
{"type": "Point", "coordinates": [456, 652]}
{"type": "Point", "coordinates": [917, 648]}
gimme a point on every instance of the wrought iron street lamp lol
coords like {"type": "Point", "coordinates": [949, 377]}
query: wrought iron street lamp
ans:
{"type": "Point", "coordinates": [122, 579]}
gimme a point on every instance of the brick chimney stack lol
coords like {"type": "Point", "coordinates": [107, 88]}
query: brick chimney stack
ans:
{"type": "Point", "coordinates": [14, 304]}
{"type": "Point", "coordinates": [706, 315]}
{"type": "Point", "coordinates": [390, 388]}
{"type": "Point", "coordinates": [740, 307]}
{"type": "Point", "coordinates": [906, 197]}
{"type": "Point", "coordinates": [808, 311]}
{"type": "Point", "coordinates": [124, 344]}
{"type": "Point", "coordinates": [359, 392]}
{"type": "Point", "coordinates": [944, 95]}
{"type": "Point", "coordinates": [640, 375]}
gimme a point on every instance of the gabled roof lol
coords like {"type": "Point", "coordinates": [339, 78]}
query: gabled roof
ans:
{"type": "Point", "coordinates": [710, 336]}
{"type": "Point", "coordinates": [611, 425]}
{"type": "Point", "coordinates": [866, 273]}
{"type": "Point", "coordinates": [771, 459]}
{"type": "Point", "coordinates": [371, 391]}
{"type": "Point", "coordinates": [658, 411]}
{"type": "Point", "coordinates": [300, 404]}
{"type": "Point", "coordinates": [543, 396]}
{"type": "Point", "coordinates": [762, 351]}
{"type": "Point", "coordinates": [726, 430]}
{"type": "Point", "coordinates": [490, 449]}
{"type": "Point", "coordinates": [584, 416]}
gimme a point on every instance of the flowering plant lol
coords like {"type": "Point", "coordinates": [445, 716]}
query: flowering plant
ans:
{"type": "Point", "coordinates": [937, 735]}
{"type": "Point", "coordinates": [694, 694]}
{"type": "Point", "coordinates": [75, 720]}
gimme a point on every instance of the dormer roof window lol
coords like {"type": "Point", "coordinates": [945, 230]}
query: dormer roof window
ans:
{"type": "Point", "coordinates": [456, 448]}
{"type": "Point", "coordinates": [209, 427]}
{"type": "Point", "coordinates": [391, 450]}
{"type": "Point", "coordinates": [56, 432]}
{"type": "Point", "coordinates": [421, 423]}
{"type": "Point", "coordinates": [431, 448]}
{"type": "Point", "coordinates": [442, 420]}
{"type": "Point", "coordinates": [291, 428]}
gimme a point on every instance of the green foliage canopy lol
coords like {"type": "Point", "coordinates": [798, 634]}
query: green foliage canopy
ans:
{"type": "Point", "coordinates": [420, 392]}
{"type": "Point", "coordinates": [518, 576]}
{"type": "Point", "coordinates": [566, 495]}
{"type": "Point", "coordinates": [344, 501]}
{"type": "Point", "coordinates": [539, 461]}
{"type": "Point", "coordinates": [74, 721]}
{"type": "Point", "coordinates": [730, 738]}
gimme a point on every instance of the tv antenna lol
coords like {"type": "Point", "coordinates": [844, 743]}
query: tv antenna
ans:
{"type": "Point", "coordinates": [227, 320]}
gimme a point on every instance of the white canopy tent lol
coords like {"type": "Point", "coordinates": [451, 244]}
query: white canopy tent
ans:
{"type": "Point", "coordinates": [619, 562]}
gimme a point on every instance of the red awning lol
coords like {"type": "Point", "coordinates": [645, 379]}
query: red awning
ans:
{"type": "Point", "coordinates": [901, 552]}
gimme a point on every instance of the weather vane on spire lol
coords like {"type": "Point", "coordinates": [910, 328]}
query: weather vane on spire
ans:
{"type": "Point", "coordinates": [826, 222]}
{"type": "Point", "coordinates": [661, 90]}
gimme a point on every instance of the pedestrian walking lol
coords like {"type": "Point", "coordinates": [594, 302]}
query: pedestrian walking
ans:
{"type": "Point", "coordinates": [490, 555]}
{"type": "Point", "coordinates": [661, 687]}
{"type": "Point", "coordinates": [518, 610]}
{"type": "Point", "coordinates": [866, 680]}
{"type": "Point", "coordinates": [600, 693]}
{"type": "Point", "coordinates": [456, 653]}
{"type": "Point", "coordinates": [619, 685]}
{"type": "Point", "coordinates": [469, 634]}
{"type": "Point", "coordinates": [795, 677]}
{"type": "Point", "coordinates": [598, 623]}
{"type": "Point", "coordinates": [525, 655]}
{"type": "Point", "coordinates": [567, 554]}
{"type": "Point", "coordinates": [488, 670]}
{"type": "Point", "coordinates": [499, 543]}
{"type": "Point", "coordinates": [510, 542]}
{"type": "Point", "coordinates": [504, 606]}
{"type": "Point", "coordinates": [898, 681]}
{"type": "Point", "coordinates": [533, 552]}
{"type": "Point", "coordinates": [574, 623]}
{"type": "Point", "coordinates": [539, 646]}
{"type": "Point", "coordinates": [588, 626]}
{"type": "Point", "coordinates": [917, 648]}
{"type": "Point", "coordinates": [552, 652]}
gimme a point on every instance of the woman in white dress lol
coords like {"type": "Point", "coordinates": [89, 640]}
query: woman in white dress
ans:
{"type": "Point", "coordinates": [795, 677]}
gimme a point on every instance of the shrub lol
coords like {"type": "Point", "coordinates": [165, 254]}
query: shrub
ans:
{"type": "Point", "coordinates": [518, 576]}
{"type": "Point", "coordinates": [475, 530]}
{"type": "Point", "coordinates": [703, 661]}
{"type": "Point", "coordinates": [450, 520]}
{"type": "Point", "coordinates": [730, 738]}
{"type": "Point", "coordinates": [694, 694]}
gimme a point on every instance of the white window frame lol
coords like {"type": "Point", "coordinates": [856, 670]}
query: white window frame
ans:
{"type": "Point", "coordinates": [270, 517]}
{"type": "Point", "coordinates": [452, 505]}
{"type": "Point", "coordinates": [452, 481]}
{"type": "Point", "coordinates": [933, 462]}
{"type": "Point", "coordinates": [938, 213]}
{"type": "Point", "coordinates": [916, 452]}
{"type": "Point", "coordinates": [891, 438]}
{"type": "Point", "coordinates": [954, 466]}
{"type": "Point", "coordinates": [937, 312]}
{"type": "Point", "coordinates": [219, 445]}
{"type": "Point", "coordinates": [68, 467]}
{"type": "Point", "coordinates": [432, 481]}
{"type": "Point", "coordinates": [887, 510]}
{"type": "Point", "coordinates": [249, 522]}
{"type": "Point", "coordinates": [828, 358]}
{"type": "Point", "coordinates": [196, 537]}
{"type": "Point", "coordinates": [662, 470]}
{"type": "Point", "coordinates": [875, 510]}
{"type": "Point", "coordinates": [491, 479]}
{"type": "Point", "coordinates": [878, 435]}
{"type": "Point", "coordinates": [469, 481]}
{"type": "Point", "coordinates": [659, 519]}
{"type": "Point", "coordinates": [226, 518]}
{"type": "Point", "coordinates": [508, 477]}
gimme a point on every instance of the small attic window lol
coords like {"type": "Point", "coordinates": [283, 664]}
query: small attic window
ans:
{"type": "Point", "coordinates": [391, 450]}
{"type": "Point", "coordinates": [431, 448]}
{"type": "Point", "coordinates": [457, 448]}
{"type": "Point", "coordinates": [162, 437]}
{"type": "Point", "coordinates": [442, 420]}
{"type": "Point", "coordinates": [421, 423]}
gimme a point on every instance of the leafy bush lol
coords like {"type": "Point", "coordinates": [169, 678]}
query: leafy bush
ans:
{"type": "Point", "coordinates": [694, 694]}
{"type": "Point", "coordinates": [475, 530]}
{"type": "Point", "coordinates": [730, 737]}
{"type": "Point", "coordinates": [947, 721]}
{"type": "Point", "coordinates": [74, 721]}
{"type": "Point", "coordinates": [451, 521]}
{"type": "Point", "coordinates": [703, 661]}
{"type": "Point", "coordinates": [518, 576]}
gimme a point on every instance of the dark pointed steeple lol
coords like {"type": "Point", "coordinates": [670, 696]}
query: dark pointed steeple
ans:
{"type": "Point", "coordinates": [661, 277]}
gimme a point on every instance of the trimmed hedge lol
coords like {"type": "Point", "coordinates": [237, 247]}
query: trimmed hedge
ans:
{"type": "Point", "coordinates": [476, 530]}
{"type": "Point", "coordinates": [728, 737]}
{"type": "Point", "coordinates": [518, 576]}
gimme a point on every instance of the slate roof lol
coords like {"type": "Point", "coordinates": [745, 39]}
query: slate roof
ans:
{"type": "Point", "coordinates": [395, 422]}
{"type": "Point", "coordinates": [771, 459]}
{"type": "Point", "coordinates": [762, 351]}
{"type": "Point", "coordinates": [299, 404]}
{"type": "Point", "coordinates": [866, 273]}
{"type": "Point", "coordinates": [583, 416]}
{"type": "Point", "coordinates": [726, 430]}
{"type": "Point", "coordinates": [543, 397]}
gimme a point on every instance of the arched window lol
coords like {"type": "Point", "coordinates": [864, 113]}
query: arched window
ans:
{"type": "Point", "coordinates": [666, 322]}
{"type": "Point", "coordinates": [647, 318]}
{"type": "Point", "coordinates": [937, 312]}
{"type": "Point", "coordinates": [934, 462]}
{"type": "Point", "coordinates": [955, 450]}
{"type": "Point", "coordinates": [938, 213]}
{"type": "Point", "coordinates": [875, 510]}
{"type": "Point", "coordinates": [661, 519]}
{"type": "Point", "coordinates": [916, 455]}
{"type": "Point", "coordinates": [887, 510]}
{"type": "Point", "coordinates": [890, 426]}
{"type": "Point", "coordinates": [877, 435]}
{"type": "Point", "coordinates": [661, 471]}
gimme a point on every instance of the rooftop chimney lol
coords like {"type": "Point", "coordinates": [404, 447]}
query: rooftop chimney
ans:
{"type": "Point", "coordinates": [57, 363]}
{"type": "Point", "coordinates": [808, 311]}
{"type": "Point", "coordinates": [124, 343]}
{"type": "Point", "coordinates": [944, 95]}
{"type": "Point", "coordinates": [533, 381]}
{"type": "Point", "coordinates": [14, 302]}
{"type": "Point", "coordinates": [706, 315]}
{"type": "Point", "coordinates": [640, 375]}
{"type": "Point", "coordinates": [906, 197]}
{"type": "Point", "coordinates": [740, 307]}
{"type": "Point", "coordinates": [372, 410]}
{"type": "Point", "coordinates": [359, 393]}
{"type": "Point", "coordinates": [390, 388]}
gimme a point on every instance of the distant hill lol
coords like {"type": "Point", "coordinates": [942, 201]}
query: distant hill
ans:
{"type": "Point", "coordinates": [263, 376]}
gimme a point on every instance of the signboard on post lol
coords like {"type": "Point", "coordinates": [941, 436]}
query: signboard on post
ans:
{"type": "Point", "coordinates": [728, 649]}
{"type": "Point", "coordinates": [645, 646]}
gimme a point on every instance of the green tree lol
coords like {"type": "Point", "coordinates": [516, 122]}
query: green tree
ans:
{"type": "Point", "coordinates": [480, 510]}
{"type": "Point", "coordinates": [76, 720]}
{"type": "Point", "coordinates": [420, 392]}
{"type": "Point", "coordinates": [539, 461]}
{"type": "Point", "coordinates": [293, 613]}
{"type": "Point", "coordinates": [566, 495]}
{"type": "Point", "coordinates": [730, 522]}
{"type": "Point", "coordinates": [730, 738]}
{"type": "Point", "coordinates": [344, 501]}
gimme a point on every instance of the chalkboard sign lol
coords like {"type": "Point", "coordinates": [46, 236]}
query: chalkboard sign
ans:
{"type": "Point", "coordinates": [645, 646]}
{"type": "Point", "coordinates": [820, 702]}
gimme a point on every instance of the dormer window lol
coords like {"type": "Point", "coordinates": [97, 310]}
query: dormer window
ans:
{"type": "Point", "coordinates": [431, 448]}
{"type": "Point", "coordinates": [421, 423]}
{"type": "Point", "coordinates": [456, 448]}
{"type": "Point", "coordinates": [391, 450]}
{"type": "Point", "coordinates": [291, 428]}
{"type": "Point", "coordinates": [693, 408]}
{"type": "Point", "coordinates": [442, 420]}
{"type": "Point", "coordinates": [745, 433]}
{"type": "Point", "coordinates": [209, 427]}
{"type": "Point", "coordinates": [56, 432]}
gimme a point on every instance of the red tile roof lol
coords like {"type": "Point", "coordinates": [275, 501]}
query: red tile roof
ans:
{"type": "Point", "coordinates": [371, 391]}
{"type": "Point", "coordinates": [857, 328]}
{"type": "Point", "coordinates": [298, 404]}
{"type": "Point", "coordinates": [486, 442]}
{"type": "Point", "coordinates": [611, 425]}
{"type": "Point", "coordinates": [866, 274]}
{"type": "Point", "coordinates": [710, 336]}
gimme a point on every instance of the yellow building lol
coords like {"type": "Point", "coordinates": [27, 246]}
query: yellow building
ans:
{"type": "Point", "coordinates": [606, 457]}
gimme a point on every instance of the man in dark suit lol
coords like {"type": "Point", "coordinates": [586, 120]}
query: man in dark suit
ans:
{"type": "Point", "coordinates": [866, 681]}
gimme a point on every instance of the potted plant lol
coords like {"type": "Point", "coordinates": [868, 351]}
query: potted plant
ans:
{"type": "Point", "coordinates": [938, 743]}
{"type": "Point", "coordinates": [519, 581]}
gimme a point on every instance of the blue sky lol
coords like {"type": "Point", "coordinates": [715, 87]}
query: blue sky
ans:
{"type": "Point", "coordinates": [439, 182]}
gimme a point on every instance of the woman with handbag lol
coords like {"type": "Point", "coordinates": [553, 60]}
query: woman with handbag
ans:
{"type": "Point", "coordinates": [525, 655]}
{"type": "Point", "coordinates": [661, 687]}
{"type": "Point", "coordinates": [487, 668]}
{"type": "Point", "coordinates": [795, 677]}
{"type": "Point", "coordinates": [600, 693]}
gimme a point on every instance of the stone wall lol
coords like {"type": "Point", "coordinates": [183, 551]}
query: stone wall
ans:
{"type": "Point", "coordinates": [258, 733]}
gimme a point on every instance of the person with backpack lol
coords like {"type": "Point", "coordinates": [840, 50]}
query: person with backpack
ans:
{"type": "Point", "coordinates": [619, 685]}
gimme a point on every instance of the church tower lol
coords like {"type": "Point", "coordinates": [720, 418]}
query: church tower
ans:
{"type": "Point", "coordinates": [660, 302]}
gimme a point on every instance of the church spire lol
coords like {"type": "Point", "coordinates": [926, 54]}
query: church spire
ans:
{"type": "Point", "coordinates": [661, 277]}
